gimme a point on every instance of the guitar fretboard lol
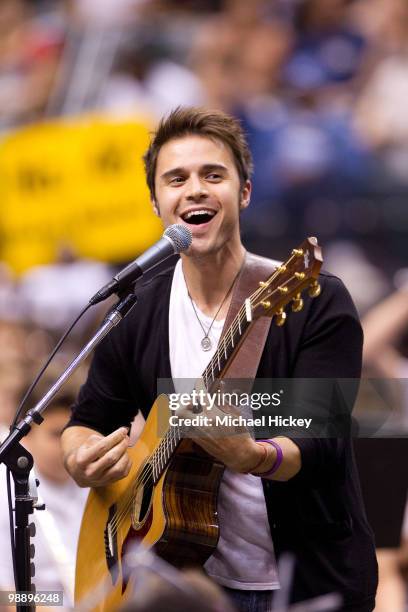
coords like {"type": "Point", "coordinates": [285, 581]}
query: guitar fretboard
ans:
{"type": "Point", "coordinates": [285, 284]}
{"type": "Point", "coordinates": [213, 372]}
{"type": "Point", "coordinates": [226, 346]}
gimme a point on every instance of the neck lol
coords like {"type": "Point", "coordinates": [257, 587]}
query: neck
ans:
{"type": "Point", "coordinates": [209, 277]}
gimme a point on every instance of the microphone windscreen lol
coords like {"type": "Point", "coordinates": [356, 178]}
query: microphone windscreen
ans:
{"type": "Point", "coordinates": [180, 236]}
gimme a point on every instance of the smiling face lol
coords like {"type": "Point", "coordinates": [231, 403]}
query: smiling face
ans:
{"type": "Point", "coordinates": [197, 185]}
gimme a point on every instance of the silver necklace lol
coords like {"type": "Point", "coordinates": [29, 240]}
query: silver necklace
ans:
{"type": "Point", "coordinates": [206, 343]}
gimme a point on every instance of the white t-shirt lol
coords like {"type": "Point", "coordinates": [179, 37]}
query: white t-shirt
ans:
{"type": "Point", "coordinates": [244, 558]}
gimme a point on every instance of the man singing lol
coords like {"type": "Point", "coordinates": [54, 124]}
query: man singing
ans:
{"type": "Point", "coordinates": [286, 494]}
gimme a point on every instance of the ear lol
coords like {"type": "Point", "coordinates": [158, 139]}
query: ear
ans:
{"type": "Point", "coordinates": [245, 195]}
{"type": "Point", "coordinates": [156, 209]}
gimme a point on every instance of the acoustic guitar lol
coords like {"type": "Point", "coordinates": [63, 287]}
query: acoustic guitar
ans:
{"type": "Point", "coordinates": [169, 498]}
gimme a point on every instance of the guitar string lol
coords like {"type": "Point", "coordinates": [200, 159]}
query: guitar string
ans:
{"type": "Point", "coordinates": [156, 458]}
{"type": "Point", "coordinates": [160, 452]}
{"type": "Point", "coordinates": [159, 458]}
{"type": "Point", "coordinates": [157, 455]}
{"type": "Point", "coordinates": [148, 470]}
{"type": "Point", "coordinates": [254, 295]}
{"type": "Point", "coordinates": [143, 477]}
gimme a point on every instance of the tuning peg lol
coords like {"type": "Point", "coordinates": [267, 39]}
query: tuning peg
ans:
{"type": "Point", "coordinates": [266, 304]}
{"type": "Point", "coordinates": [262, 284]}
{"type": "Point", "coordinates": [314, 289]}
{"type": "Point", "coordinates": [297, 252]}
{"type": "Point", "coordinates": [280, 317]}
{"type": "Point", "coordinates": [297, 303]}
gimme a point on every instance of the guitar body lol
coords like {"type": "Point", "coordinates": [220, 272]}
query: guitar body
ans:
{"type": "Point", "coordinates": [177, 515]}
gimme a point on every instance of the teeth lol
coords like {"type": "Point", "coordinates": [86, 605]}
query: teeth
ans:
{"type": "Point", "coordinates": [193, 213]}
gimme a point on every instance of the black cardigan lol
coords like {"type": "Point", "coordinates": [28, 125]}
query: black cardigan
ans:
{"type": "Point", "coordinates": [319, 513]}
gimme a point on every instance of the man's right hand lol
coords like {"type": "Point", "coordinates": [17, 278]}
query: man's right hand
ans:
{"type": "Point", "coordinates": [94, 460]}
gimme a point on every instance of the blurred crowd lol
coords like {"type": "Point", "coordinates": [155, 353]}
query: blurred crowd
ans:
{"type": "Point", "coordinates": [319, 86]}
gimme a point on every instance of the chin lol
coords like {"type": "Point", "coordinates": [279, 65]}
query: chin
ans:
{"type": "Point", "coordinates": [201, 250]}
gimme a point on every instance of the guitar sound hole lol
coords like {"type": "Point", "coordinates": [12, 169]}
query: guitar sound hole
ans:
{"type": "Point", "coordinates": [142, 498]}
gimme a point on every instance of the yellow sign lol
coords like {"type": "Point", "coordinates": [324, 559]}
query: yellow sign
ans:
{"type": "Point", "coordinates": [80, 183]}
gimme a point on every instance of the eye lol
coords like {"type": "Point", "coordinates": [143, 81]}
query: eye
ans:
{"type": "Point", "coordinates": [214, 176]}
{"type": "Point", "coordinates": [176, 180]}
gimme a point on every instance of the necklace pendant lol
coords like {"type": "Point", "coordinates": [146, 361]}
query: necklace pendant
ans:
{"type": "Point", "coordinates": [206, 343]}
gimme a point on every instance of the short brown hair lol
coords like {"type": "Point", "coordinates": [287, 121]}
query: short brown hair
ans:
{"type": "Point", "coordinates": [213, 124]}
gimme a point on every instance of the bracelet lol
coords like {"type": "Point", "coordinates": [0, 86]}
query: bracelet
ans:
{"type": "Point", "coordinates": [260, 462]}
{"type": "Point", "coordinates": [278, 460]}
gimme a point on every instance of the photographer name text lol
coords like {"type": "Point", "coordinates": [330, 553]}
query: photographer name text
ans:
{"type": "Point", "coordinates": [202, 420]}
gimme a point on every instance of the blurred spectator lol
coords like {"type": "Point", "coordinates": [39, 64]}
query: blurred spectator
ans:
{"type": "Point", "coordinates": [380, 111]}
{"type": "Point", "coordinates": [12, 383]}
{"type": "Point", "coordinates": [170, 591]}
{"type": "Point", "coordinates": [291, 97]}
{"type": "Point", "coordinates": [10, 305]}
{"type": "Point", "coordinates": [13, 370]}
{"type": "Point", "coordinates": [366, 283]}
{"type": "Point", "coordinates": [239, 52]}
{"type": "Point", "coordinates": [57, 527]}
{"type": "Point", "coordinates": [328, 49]}
{"type": "Point", "coordinates": [97, 13]}
{"type": "Point", "coordinates": [29, 54]}
{"type": "Point", "coordinates": [290, 70]}
{"type": "Point", "coordinates": [382, 23]}
{"type": "Point", "coordinates": [145, 81]}
{"type": "Point", "coordinates": [384, 327]}
{"type": "Point", "coordinates": [54, 294]}
{"type": "Point", "coordinates": [301, 143]}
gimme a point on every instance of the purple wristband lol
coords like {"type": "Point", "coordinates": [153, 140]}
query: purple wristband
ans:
{"type": "Point", "coordinates": [278, 460]}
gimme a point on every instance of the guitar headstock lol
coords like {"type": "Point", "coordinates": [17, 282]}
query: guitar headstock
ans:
{"type": "Point", "coordinates": [286, 284]}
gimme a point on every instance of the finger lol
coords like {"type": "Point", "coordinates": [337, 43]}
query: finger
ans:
{"type": "Point", "coordinates": [97, 446]}
{"type": "Point", "coordinates": [88, 466]}
{"type": "Point", "coordinates": [117, 471]}
{"type": "Point", "coordinates": [98, 467]}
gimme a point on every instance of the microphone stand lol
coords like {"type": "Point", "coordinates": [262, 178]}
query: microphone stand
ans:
{"type": "Point", "coordinates": [20, 461]}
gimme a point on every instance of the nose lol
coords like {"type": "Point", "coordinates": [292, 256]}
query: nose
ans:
{"type": "Point", "coordinates": [196, 190]}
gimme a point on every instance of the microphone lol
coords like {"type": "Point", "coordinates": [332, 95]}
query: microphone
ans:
{"type": "Point", "coordinates": [176, 239]}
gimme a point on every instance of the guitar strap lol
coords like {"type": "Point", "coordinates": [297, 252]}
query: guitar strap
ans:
{"type": "Point", "coordinates": [246, 361]}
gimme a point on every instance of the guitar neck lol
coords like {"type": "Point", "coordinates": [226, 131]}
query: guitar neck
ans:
{"type": "Point", "coordinates": [214, 371]}
{"type": "Point", "coordinates": [228, 345]}
{"type": "Point", "coordinates": [300, 271]}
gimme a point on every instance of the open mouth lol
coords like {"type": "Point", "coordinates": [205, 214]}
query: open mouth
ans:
{"type": "Point", "coordinates": [198, 217]}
